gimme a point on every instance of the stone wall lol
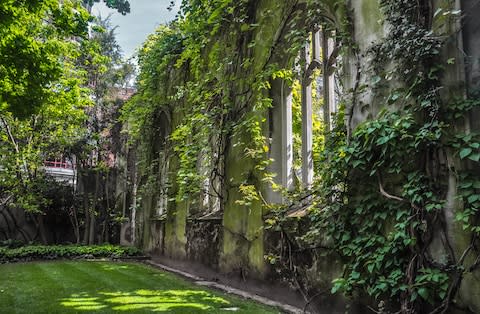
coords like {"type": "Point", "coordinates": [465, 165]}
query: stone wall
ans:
{"type": "Point", "coordinates": [203, 241]}
{"type": "Point", "coordinates": [236, 240]}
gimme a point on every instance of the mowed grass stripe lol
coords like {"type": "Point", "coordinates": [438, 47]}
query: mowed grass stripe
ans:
{"type": "Point", "coordinates": [43, 280]}
{"type": "Point", "coordinates": [23, 293]}
{"type": "Point", "coordinates": [119, 274]}
{"type": "Point", "coordinates": [105, 287]}
{"type": "Point", "coordinates": [49, 282]}
{"type": "Point", "coordinates": [9, 288]}
{"type": "Point", "coordinates": [93, 278]}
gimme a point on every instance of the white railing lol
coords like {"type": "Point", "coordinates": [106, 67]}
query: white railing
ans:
{"type": "Point", "coordinates": [61, 171]}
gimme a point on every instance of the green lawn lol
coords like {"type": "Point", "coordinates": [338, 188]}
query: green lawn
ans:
{"type": "Point", "coordinates": [106, 287]}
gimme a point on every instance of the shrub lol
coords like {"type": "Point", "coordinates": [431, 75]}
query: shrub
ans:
{"type": "Point", "coordinates": [39, 252]}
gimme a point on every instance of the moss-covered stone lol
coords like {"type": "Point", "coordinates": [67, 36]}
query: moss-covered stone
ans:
{"type": "Point", "coordinates": [242, 246]}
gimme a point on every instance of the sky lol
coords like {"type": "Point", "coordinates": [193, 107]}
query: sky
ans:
{"type": "Point", "coordinates": [143, 19]}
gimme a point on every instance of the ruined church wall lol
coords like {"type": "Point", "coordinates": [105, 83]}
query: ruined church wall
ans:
{"type": "Point", "coordinates": [460, 78]}
{"type": "Point", "coordinates": [235, 241]}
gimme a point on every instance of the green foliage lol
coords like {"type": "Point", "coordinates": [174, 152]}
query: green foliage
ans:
{"type": "Point", "coordinates": [155, 60]}
{"type": "Point", "coordinates": [39, 252]}
{"type": "Point", "coordinates": [27, 143]}
{"type": "Point", "coordinates": [36, 55]}
{"type": "Point", "coordinates": [42, 94]}
{"type": "Point", "coordinates": [106, 75]}
{"type": "Point", "coordinates": [469, 196]}
{"type": "Point", "coordinates": [204, 97]}
{"type": "Point", "coordinates": [379, 193]}
{"type": "Point", "coordinates": [122, 6]}
{"type": "Point", "coordinates": [53, 68]}
{"type": "Point", "coordinates": [383, 227]}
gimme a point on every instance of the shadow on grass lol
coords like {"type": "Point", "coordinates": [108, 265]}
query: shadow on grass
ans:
{"type": "Point", "coordinates": [147, 300]}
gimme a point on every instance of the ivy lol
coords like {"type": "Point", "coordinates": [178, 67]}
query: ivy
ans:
{"type": "Point", "coordinates": [212, 114]}
{"type": "Point", "coordinates": [381, 191]}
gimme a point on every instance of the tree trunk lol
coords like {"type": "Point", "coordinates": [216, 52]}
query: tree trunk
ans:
{"type": "Point", "coordinates": [91, 238]}
{"type": "Point", "coordinates": [104, 236]}
{"type": "Point", "coordinates": [41, 229]}
{"type": "Point", "coordinates": [87, 215]}
{"type": "Point", "coordinates": [75, 226]}
{"type": "Point", "coordinates": [91, 234]}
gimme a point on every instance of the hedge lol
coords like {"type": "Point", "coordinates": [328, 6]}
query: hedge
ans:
{"type": "Point", "coordinates": [42, 252]}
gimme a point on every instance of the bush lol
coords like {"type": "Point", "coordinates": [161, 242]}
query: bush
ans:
{"type": "Point", "coordinates": [11, 244]}
{"type": "Point", "coordinates": [41, 252]}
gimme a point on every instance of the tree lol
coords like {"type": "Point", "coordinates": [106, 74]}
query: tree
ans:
{"type": "Point", "coordinates": [26, 143]}
{"type": "Point", "coordinates": [43, 92]}
{"type": "Point", "coordinates": [122, 6]}
{"type": "Point", "coordinates": [107, 73]}
{"type": "Point", "coordinates": [35, 39]}
{"type": "Point", "coordinates": [35, 45]}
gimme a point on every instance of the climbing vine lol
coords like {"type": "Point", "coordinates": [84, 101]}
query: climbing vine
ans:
{"type": "Point", "coordinates": [382, 193]}
{"type": "Point", "coordinates": [224, 96]}
{"type": "Point", "coordinates": [382, 190]}
{"type": "Point", "coordinates": [383, 227]}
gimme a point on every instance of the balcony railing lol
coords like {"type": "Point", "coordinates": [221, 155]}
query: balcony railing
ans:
{"type": "Point", "coordinates": [62, 171]}
{"type": "Point", "coordinates": [58, 164]}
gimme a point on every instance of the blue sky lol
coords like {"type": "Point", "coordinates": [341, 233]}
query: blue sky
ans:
{"type": "Point", "coordinates": [143, 19]}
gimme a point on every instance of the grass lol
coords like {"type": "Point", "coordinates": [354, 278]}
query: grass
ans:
{"type": "Point", "coordinates": [108, 287]}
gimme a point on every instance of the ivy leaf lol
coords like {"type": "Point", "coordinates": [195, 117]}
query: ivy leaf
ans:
{"type": "Point", "coordinates": [338, 285]}
{"type": "Point", "coordinates": [423, 292]}
{"type": "Point", "coordinates": [437, 12]}
{"type": "Point", "coordinates": [465, 152]}
{"type": "Point", "coordinates": [355, 275]}
{"type": "Point", "coordinates": [356, 163]}
{"type": "Point", "coordinates": [442, 294]}
{"type": "Point", "coordinates": [370, 267]}
{"type": "Point", "coordinates": [474, 157]}
{"type": "Point", "coordinates": [473, 198]}
{"type": "Point", "coordinates": [383, 140]}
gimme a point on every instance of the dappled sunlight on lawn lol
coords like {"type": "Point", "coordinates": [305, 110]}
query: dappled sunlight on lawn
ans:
{"type": "Point", "coordinates": [154, 300]}
{"type": "Point", "coordinates": [111, 267]}
{"type": "Point", "coordinates": [82, 302]}
{"type": "Point", "coordinates": [105, 287]}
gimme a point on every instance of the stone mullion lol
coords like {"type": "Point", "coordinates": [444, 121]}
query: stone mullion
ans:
{"type": "Point", "coordinates": [307, 123]}
{"type": "Point", "coordinates": [287, 138]}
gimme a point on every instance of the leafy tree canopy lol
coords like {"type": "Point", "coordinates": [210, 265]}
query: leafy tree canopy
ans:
{"type": "Point", "coordinates": [36, 42]}
{"type": "Point", "coordinates": [122, 6]}
{"type": "Point", "coordinates": [36, 39]}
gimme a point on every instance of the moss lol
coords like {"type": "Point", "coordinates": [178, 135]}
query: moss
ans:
{"type": "Point", "coordinates": [235, 218]}
{"type": "Point", "coordinates": [175, 231]}
{"type": "Point", "coordinates": [255, 232]}
{"type": "Point", "coordinates": [146, 209]}
{"type": "Point", "coordinates": [243, 246]}
{"type": "Point", "coordinates": [371, 16]}
{"type": "Point", "coordinates": [180, 227]}
{"type": "Point", "coordinates": [243, 226]}
{"type": "Point", "coordinates": [234, 226]}
{"type": "Point", "coordinates": [269, 15]}
{"type": "Point", "coordinates": [469, 292]}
